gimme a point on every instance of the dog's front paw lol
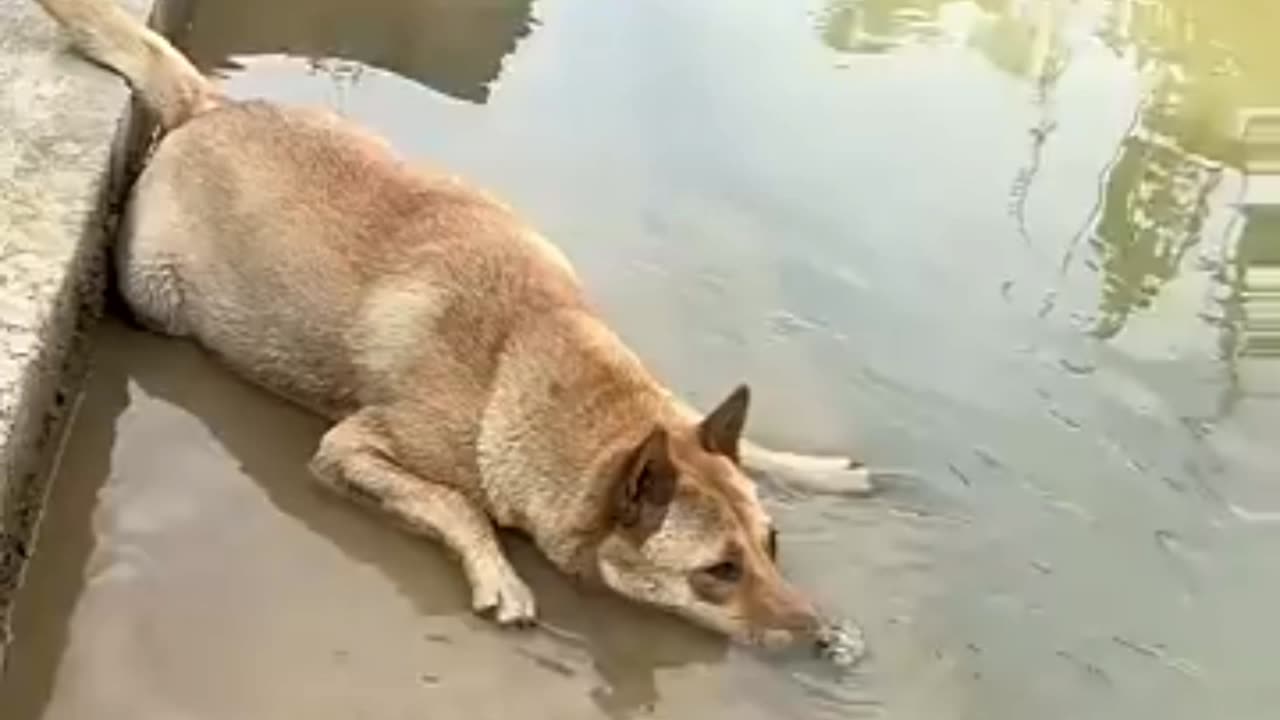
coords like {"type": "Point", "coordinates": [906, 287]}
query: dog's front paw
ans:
{"type": "Point", "coordinates": [503, 596]}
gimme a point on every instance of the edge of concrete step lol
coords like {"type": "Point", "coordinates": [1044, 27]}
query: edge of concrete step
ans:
{"type": "Point", "coordinates": [66, 131]}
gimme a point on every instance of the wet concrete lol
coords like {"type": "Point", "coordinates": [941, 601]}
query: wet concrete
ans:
{"type": "Point", "coordinates": [62, 128]}
{"type": "Point", "coordinates": [1025, 250]}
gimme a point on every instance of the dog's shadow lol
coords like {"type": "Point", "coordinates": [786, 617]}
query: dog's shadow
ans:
{"type": "Point", "coordinates": [272, 441]}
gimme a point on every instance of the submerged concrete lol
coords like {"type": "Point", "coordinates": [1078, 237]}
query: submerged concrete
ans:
{"type": "Point", "coordinates": [63, 123]}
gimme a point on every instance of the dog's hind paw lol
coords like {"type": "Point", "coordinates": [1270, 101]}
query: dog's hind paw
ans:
{"type": "Point", "coordinates": [825, 474]}
{"type": "Point", "coordinates": [836, 476]}
{"type": "Point", "coordinates": [504, 597]}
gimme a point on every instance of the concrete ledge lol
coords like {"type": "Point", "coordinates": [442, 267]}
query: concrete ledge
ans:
{"type": "Point", "coordinates": [64, 125]}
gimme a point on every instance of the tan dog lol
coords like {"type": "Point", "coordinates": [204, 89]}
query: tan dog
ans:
{"type": "Point", "coordinates": [470, 383]}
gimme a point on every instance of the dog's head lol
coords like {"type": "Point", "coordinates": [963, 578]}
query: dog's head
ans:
{"type": "Point", "coordinates": [686, 532]}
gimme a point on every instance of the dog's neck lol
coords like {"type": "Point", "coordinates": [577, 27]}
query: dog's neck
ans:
{"type": "Point", "coordinates": [569, 401]}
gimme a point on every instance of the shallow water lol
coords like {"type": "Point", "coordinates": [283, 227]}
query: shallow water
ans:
{"type": "Point", "coordinates": [1027, 252]}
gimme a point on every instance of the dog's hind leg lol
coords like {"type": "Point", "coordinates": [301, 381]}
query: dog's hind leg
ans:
{"type": "Point", "coordinates": [148, 257]}
{"type": "Point", "coordinates": [828, 474]}
{"type": "Point", "coordinates": [354, 461]}
{"type": "Point", "coordinates": [153, 292]}
{"type": "Point", "coordinates": [817, 473]}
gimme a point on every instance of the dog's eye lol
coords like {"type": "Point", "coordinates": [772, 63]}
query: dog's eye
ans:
{"type": "Point", "coordinates": [727, 571]}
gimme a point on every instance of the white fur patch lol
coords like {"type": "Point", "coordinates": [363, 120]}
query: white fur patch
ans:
{"type": "Point", "coordinates": [815, 473]}
{"type": "Point", "coordinates": [395, 323]}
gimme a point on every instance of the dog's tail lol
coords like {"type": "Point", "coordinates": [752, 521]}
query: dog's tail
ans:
{"type": "Point", "coordinates": [167, 82]}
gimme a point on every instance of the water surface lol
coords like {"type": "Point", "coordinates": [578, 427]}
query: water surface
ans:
{"type": "Point", "coordinates": [1028, 251]}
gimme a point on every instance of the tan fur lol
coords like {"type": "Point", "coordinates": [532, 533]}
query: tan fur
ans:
{"type": "Point", "coordinates": [165, 80]}
{"type": "Point", "coordinates": [470, 383]}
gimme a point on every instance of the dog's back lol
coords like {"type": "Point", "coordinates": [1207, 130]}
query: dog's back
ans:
{"type": "Point", "coordinates": [311, 235]}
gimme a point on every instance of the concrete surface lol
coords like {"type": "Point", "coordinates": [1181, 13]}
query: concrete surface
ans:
{"type": "Point", "coordinates": [60, 121]}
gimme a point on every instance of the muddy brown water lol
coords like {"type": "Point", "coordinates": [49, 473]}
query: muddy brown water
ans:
{"type": "Point", "coordinates": [1026, 251]}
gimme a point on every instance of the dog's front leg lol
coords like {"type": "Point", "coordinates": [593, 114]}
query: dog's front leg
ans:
{"type": "Point", "coordinates": [354, 461]}
{"type": "Point", "coordinates": [819, 473]}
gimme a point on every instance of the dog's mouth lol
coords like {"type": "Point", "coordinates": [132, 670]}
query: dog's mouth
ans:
{"type": "Point", "coordinates": [837, 646]}
{"type": "Point", "coordinates": [840, 643]}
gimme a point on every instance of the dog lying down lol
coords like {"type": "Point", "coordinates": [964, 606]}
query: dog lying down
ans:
{"type": "Point", "coordinates": [469, 382]}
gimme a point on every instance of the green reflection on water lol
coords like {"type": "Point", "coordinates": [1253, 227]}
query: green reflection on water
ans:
{"type": "Point", "coordinates": [1212, 89]}
{"type": "Point", "coordinates": [1209, 114]}
{"type": "Point", "coordinates": [870, 26]}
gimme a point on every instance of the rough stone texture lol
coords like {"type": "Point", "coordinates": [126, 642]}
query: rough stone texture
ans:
{"type": "Point", "coordinates": [61, 122]}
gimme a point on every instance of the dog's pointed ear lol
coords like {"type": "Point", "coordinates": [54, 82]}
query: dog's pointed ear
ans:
{"type": "Point", "coordinates": [721, 430]}
{"type": "Point", "coordinates": [647, 485]}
